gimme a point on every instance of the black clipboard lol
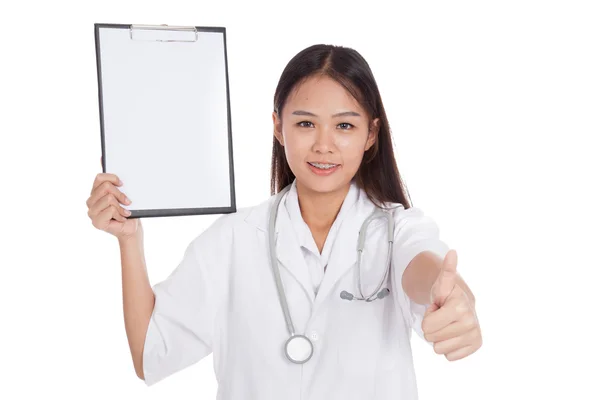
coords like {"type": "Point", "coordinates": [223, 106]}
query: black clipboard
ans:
{"type": "Point", "coordinates": [165, 117]}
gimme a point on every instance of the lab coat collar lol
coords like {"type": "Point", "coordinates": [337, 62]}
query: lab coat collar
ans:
{"type": "Point", "coordinates": [293, 207]}
{"type": "Point", "coordinates": [343, 254]}
{"type": "Point", "coordinates": [302, 230]}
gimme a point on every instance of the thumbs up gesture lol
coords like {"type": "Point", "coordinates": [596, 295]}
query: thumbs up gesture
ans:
{"type": "Point", "coordinates": [450, 322]}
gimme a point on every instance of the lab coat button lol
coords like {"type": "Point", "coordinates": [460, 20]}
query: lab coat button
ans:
{"type": "Point", "coordinates": [314, 335]}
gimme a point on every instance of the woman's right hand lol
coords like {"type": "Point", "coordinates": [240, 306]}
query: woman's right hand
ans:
{"type": "Point", "coordinates": [105, 210]}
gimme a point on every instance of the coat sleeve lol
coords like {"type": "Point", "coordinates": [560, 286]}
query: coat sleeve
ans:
{"type": "Point", "coordinates": [182, 325]}
{"type": "Point", "coordinates": [415, 232]}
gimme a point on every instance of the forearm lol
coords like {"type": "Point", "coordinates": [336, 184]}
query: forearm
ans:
{"type": "Point", "coordinates": [138, 297]}
{"type": "Point", "coordinates": [421, 273]}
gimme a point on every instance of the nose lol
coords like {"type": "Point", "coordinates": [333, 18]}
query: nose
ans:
{"type": "Point", "coordinates": [324, 141]}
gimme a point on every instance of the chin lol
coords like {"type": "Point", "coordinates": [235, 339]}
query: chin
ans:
{"type": "Point", "coordinates": [323, 184]}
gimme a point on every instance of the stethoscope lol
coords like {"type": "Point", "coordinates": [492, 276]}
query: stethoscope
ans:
{"type": "Point", "coordinates": [298, 348]}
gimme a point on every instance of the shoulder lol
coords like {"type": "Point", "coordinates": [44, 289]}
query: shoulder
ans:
{"type": "Point", "coordinates": [402, 214]}
{"type": "Point", "coordinates": [413, 223]}
{"type": "Point", "coordinates": [222, 230]}
{"type": "Point", "coordinates": [412, 220]}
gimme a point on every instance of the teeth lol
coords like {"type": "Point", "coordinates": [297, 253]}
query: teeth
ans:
{"type": "Point", "coordinates": [323, 166]}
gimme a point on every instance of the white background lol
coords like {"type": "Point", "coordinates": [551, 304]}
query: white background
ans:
{"type": "Point", "coordinates": [495, 110]}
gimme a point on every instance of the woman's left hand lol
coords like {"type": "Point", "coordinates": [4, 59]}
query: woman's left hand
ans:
{"type": "Point", "coordinates": [450, 322]}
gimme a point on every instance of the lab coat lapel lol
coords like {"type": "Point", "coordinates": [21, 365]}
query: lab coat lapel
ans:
{"type": "Point", "coordinates": [289, 252]}
{"type": "Point", "coordinates": [344, 252]}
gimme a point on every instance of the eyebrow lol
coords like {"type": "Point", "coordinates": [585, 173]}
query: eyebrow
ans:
{"type": "Point", "coordinates": [342, 114]}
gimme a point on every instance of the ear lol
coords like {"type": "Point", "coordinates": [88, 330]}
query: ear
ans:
{"type": "Point", "coordinates": [277, 128]}
{"type": "Point", "coordinates": [373, 133]}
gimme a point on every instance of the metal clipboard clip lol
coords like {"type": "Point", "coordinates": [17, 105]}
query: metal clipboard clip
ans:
{"type": "Point", "coordinates": [164, 27]}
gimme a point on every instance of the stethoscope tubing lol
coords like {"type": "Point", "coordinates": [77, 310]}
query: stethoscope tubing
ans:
{"type": "Point", "coordinates": [274, 263]}
{"type": "Point", "coordinates": [360, 247]}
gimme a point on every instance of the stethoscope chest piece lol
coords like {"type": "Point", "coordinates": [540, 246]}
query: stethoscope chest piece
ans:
{"type": "Point", "coordinates": [298, 349]}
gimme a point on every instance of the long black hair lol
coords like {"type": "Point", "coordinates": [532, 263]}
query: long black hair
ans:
{"type": "Point", "coordinates": [378, 173]}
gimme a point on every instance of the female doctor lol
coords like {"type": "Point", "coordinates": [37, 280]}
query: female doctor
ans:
{"type": "Point", "coordinates": [313, 293]}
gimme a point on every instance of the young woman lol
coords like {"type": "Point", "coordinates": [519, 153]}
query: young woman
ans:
{"type": "Point", "coordinates": [284, 294]}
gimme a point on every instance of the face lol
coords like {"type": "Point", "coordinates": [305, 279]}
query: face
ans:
{"type": "Point", "coordinates": [322, 125]}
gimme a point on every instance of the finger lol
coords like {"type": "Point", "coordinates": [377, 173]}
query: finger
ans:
{"type": "Point", "coordinates": [432, 308]}
{"type": "Point", "coordinates": [446, 279]}
{"type": "Point", "coordinates": [455, 343]}
{"type": "Point", "coordinates": [461, 353]}
{"type": "Point", "coordinates": [441, 318]}
{"type": "Point", "coordinates": [116, 214]}
{"type": "Point", "coordinates": [107, 188]}
{"type": "Point", "coordinates": [455, 329]}
{"type": "Point", "coordinates": [106, 217]}
{"type": "Point", "coordinates": [450, 261]}
{"type": "Point", "coordinates": [105, 177]}
{"type": "Point", "coordinates": [105, 202]}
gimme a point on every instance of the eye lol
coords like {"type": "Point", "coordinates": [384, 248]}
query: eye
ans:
{"type": "Point", "coordinates": [349, 126]}
{"type": "Point", "coordinates": [304, 126]}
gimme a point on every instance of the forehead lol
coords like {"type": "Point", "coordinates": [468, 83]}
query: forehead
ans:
{"type": "Point", "coordinates": [321, 93]}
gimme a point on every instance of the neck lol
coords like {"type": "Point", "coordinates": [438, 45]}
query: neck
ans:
{"type": "Point", "coordinates": [319, 210]}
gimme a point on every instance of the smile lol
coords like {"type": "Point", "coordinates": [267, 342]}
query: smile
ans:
{"type": "Point", "coordinates": [323, 166]}
{"type": "Point", "coordinates": [323, 169]}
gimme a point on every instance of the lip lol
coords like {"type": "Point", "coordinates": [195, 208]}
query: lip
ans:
{"type": "Point", "coordinates": [323, 172]}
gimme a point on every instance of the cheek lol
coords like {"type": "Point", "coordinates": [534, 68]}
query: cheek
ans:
{"type": "Point", "coordinates": [352, 150]}
{"type": "Point", "coordinates": [344, 142]}
{"type": "Point", "coordinates": [352, 142]}
{"type": "Point", "coordinates": [295, 149]}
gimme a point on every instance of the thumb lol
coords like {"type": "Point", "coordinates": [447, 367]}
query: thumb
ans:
{"type": "Point", "coordinates": [443, 285]}
{"type": "Point", "coordinates": [430, 309]}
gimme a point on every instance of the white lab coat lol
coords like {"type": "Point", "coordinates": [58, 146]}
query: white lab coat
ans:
{"type": "Point", "coordinates": [222, 298]}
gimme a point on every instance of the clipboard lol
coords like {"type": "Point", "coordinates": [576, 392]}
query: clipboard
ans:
{"type": "Point", "coordinates": [165, 117]}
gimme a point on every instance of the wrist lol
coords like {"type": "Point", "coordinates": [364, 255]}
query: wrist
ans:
{"type": "Point", "coordinates": [135, 238]}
